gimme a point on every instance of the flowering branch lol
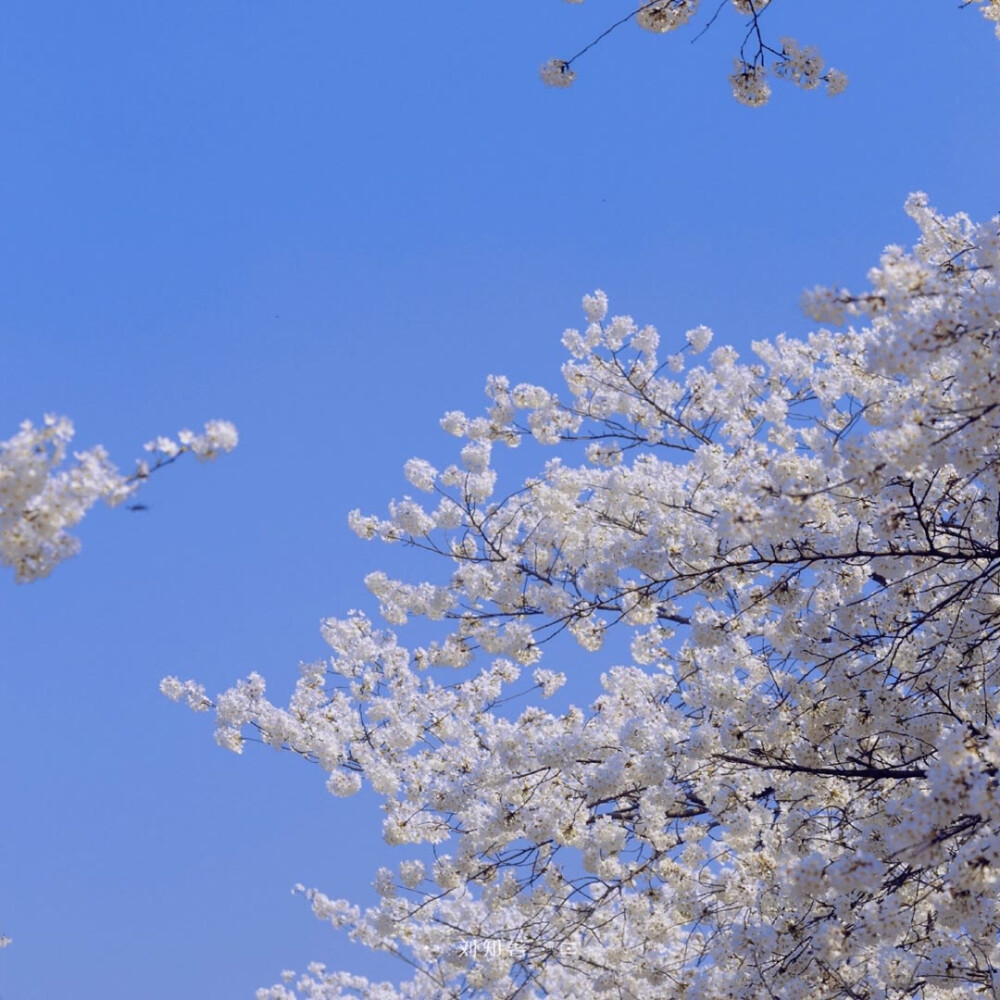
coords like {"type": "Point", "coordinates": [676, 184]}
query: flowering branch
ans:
{"type": "Point", "coordinates": [40, 501]}
{"type": "Point", "coordinates": [803, 66]}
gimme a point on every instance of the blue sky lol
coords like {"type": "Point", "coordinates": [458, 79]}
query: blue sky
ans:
{"type": "Point", "coordinates": [328, 223]}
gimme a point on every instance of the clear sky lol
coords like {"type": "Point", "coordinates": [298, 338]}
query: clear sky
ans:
{"type": "Point", "coordinates": [328, 223]}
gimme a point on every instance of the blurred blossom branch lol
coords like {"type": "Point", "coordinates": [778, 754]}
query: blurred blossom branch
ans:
{"type": "Point", "coordinates": [44, 493]}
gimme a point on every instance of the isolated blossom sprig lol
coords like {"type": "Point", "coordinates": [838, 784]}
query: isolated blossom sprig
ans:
{"type": "Point", "coordinates": [43, 495]}
{"type": "Point", "coordinates": [757, 59]}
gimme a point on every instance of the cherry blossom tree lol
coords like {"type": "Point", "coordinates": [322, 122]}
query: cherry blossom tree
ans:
{"type": "Point", "coordinates": [789, 784]}
{"type": "Point", "coordinates": [42, 496]}
{"type": "Point", "coordinates": [759, 55]}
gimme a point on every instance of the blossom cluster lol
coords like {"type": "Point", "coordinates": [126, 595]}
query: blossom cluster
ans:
{"type": "Point", "coordinates": [787, 780]}
{"type": "Point", "coordinates": [662, 16]}
{"type": "Point", "coordinates": [749, 82]}
{"type": "Point", "coordinates": [218, 436]}
{"type": "Point", "coordinates": [42, 497]}
{"type": "Point", "coordinates": [991, 11]}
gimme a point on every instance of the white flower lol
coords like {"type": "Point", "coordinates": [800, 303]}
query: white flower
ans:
{"type": "Point", "coordinates": [699, 338]}
{"type": "Point", "coordinates": [455, 422]}
{"type": "Point", "coordinates": [219, 436]}
{"type": "Point", "coordinates": [343, 784]}
{"type": "Point", "coordinates": [595, 306]}
{"type": "Point", "coordinates": [803, 66]}
{"type": "Point", "coordinates": [750, 85]}
{"type": "Point", "coordinates": [549, 681]}
{"type": "Point", "coordinates": [172, 688]}
{"type": "Point", "coordinates": [836, 82]}
{"type": "Point", "coordinates": [411, 873]}
{"type": "Point", "coordinates": [556, 73]}
{"type": "Point", "coordinates": [661, 16]}
{"type": "Point", "coordinates": [193, 692]}
{"type": "Point", "coordinates": [420, 473]}
{"type": "Point", "coordinates": [165, 446]}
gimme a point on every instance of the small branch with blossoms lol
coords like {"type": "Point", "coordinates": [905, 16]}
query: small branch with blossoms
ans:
{"type": "Point", "coordinates": [40, 500]}
{"type": "Point", "coordinates": [802, 65]}
{"type": "Point", "coordinates": [219, 436]}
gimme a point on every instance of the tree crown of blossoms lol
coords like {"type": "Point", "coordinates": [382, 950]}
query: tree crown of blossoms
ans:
{"type": "Point", "coordinates": [790, 784]}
